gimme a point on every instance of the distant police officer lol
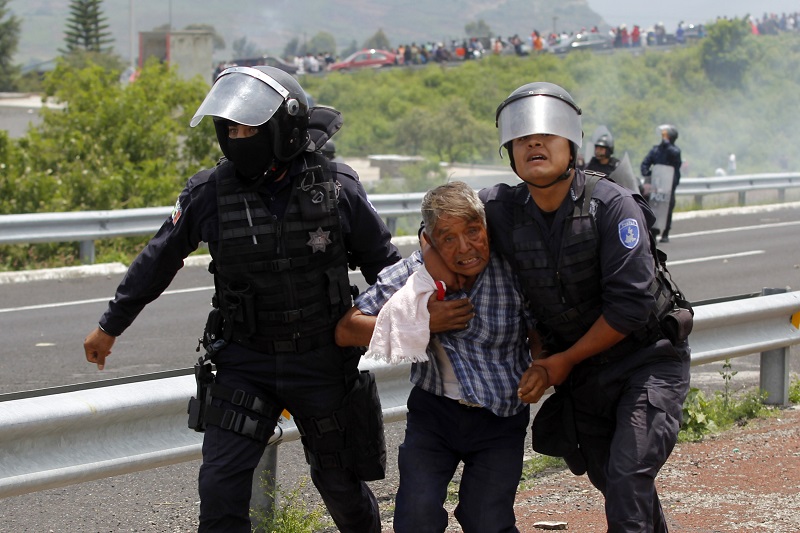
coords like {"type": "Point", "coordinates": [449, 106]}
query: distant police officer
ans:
{"type": "Point", "coordinates": [581, 249]}
{"type": "Point", "coordinates": [665, 153]}
{"type": "Point", "coordinates": [329, 150]}
{"type": "Point", "coordinates": [282, 224]}
{"type": "Point", "coordinates": [603, 160]}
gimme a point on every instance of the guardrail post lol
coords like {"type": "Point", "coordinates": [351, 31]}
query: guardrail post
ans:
{"type": "Point", "coordinates": [391, 223]}
{"type": "Point", "coordinates": [263, 495]}
{"type": "Point", "coordinates": [781, 195]}
{"type": "Point", "coordinates": [774, 369]}
{"type": "Point", "coordinates": [698, 200]}
{"type": "Point", "coordinates": [87, 252]}
{"type": "Point", "coordinates": [742, 198]}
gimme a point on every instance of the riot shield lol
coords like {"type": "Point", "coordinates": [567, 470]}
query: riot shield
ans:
{"type": "Point", "coordinates": [623, 175]}
{"type": "Point", "coordinates": [660, 194]}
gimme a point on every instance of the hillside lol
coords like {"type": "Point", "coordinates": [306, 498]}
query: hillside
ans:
{"type": "Point", "coordinates": [270, 25]}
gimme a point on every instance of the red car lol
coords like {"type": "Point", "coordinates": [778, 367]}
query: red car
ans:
{"type": "Point", "coordinates": [367, 58]}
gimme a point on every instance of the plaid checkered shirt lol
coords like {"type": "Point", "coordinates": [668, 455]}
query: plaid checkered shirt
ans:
{"type": "Point", "coordinates": [490, 356]}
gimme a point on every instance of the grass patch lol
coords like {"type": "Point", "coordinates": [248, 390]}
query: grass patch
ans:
{"type": "Point", "coordinates": [291, 512]}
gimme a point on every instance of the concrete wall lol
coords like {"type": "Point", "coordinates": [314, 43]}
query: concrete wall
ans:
{"type": "Point", "coordinates": [190, 50]}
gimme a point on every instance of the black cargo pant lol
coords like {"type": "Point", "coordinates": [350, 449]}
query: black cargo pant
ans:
{"type": "Point", "coordinates": [627, 417]}
{"type": "Point", "coordinates": [310, 384]}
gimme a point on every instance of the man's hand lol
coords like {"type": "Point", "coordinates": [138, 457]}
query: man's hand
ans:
{"type": "Point", "coordinates": [542, 374]}
{"type": "Point", "coordinates": [97, 346]}
{"type": "Point", "coordinates": [450, 314]}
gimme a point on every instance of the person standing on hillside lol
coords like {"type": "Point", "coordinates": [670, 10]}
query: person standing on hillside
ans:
{"type": "Point", "coordinates": [282, 225]}
{"type": "Point", "coordinates": [581, 248]}
{"type": "Point", "coordinates": [665, 153]}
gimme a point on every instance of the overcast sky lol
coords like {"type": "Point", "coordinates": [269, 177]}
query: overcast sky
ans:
{"type": "Point", "coordinates": [671, 12]}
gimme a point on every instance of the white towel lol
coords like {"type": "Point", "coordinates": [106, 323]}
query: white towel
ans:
{"type": "Point", "coordinates": [402, 330]}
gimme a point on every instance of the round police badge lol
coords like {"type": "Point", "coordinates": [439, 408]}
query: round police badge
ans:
{"type": "Point", "coordinates": [629, 233]}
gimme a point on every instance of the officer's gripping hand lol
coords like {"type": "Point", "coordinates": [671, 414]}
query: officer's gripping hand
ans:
{"type": "Point", "coordinates": [541, 375]}
{"type": "Point", "coordinates": [449, 314]}
{"type": "Point", "coordinates": [97, 346]}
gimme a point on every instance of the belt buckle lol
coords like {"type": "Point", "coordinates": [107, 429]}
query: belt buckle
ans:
{"type": "Point", "coordinates": [284, 346]}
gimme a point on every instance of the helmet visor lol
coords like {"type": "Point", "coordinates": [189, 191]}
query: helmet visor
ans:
{"type": "Point", "coordinates": [539, 114]}
{"type": "Point", "coordinates": [243, 95]}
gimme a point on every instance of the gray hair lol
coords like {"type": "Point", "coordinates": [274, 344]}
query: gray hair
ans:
{"type": "Point", "coordinates": [456, 199]}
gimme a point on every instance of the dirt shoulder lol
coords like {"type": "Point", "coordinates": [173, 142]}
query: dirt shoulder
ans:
{"type": "Point", "coordinates": [745, 479]}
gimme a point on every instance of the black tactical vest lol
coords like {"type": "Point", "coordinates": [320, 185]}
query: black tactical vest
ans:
{"type": "Point", "coordinates": [567, 288]}
{"type": "Point", "coordinates": [281, 285]}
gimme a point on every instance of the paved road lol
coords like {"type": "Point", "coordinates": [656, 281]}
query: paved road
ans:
{"type": "Point", "coordinates": [42, 325]}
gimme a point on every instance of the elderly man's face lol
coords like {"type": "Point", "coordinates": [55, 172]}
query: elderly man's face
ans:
{"type": "Point", "coordinates": [463, 245]}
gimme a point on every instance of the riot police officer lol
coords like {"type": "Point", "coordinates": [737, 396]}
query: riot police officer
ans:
{"type": "Point", "coordinates": [665, 153]}
{"type": "Point", "coordinates": [282, 224]}
{"type": "Point", "coordinates": [603, 160]}
{"type": "Point", "coordinates": [329, 150]}
{"type": "Point", "coordinates": [581, 248]}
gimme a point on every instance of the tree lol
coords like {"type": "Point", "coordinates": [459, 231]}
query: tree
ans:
{"type": "Point", "coordinates": [379, 40]}
{"type": "Point", "coordinates": [292, 48]}
{"type": "Point", "coordinates": [726, 52]}
{"type": "Point", "coordinates": [111, 145]}
{"type": "Point", "coordinates": [87, 28]}
{"type": "Point", "coordinates": [244, 48]}
{"type": "Point", "coordinates": [478, 29]}
{"type": "Point", "coordinates": [322, 42]}
{"type": "Point", "coordinates": [9, 39]}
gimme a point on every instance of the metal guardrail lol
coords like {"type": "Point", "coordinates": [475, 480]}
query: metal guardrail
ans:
{"type": "Point", "coordinates": [50, 441]}
{"type": "Point", "coordinates": [88, 226]}
{"type": "Point", "coordinates": [742, 184]}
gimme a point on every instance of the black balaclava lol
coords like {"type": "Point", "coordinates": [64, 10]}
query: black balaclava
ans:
{"type": "Point", "coordinates": [252, 156]}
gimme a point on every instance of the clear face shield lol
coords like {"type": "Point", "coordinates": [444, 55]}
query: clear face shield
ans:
{"type": "Point", "coordinates": [243, 95]}
{"type": "Point", "coordinates": [539, 113]}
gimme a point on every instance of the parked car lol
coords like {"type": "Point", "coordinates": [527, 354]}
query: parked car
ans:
{"type": "Point", "coordinates": [583, 41]}
{"type": "Point", "coordinates": [269, 61]}
{"type": "Point", "coordinates": [371, 58]}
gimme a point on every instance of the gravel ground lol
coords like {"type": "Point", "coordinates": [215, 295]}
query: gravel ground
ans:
{"type": "Point", "coordinates": [746, 479]}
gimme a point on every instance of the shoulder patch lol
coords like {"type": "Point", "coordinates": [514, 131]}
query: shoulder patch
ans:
{"type": "Point", "coordinates": [177, 211]}
{"type": "Point", "coordinates": [629, 233]}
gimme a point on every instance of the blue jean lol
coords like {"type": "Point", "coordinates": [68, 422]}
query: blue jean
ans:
{"type": "Point", "coordinates": [311, 384]}
{"type": "Point", "coordinates": [440, 434]}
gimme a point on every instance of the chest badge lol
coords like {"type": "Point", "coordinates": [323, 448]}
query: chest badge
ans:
{"type": "Point", "coordinates": [318, 240]}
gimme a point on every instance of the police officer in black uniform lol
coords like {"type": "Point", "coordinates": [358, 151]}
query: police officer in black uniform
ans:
{"type": "Point", "coordinates": [603, 160]}
{"type": "Point", "coordinates": [581, 248]}
{"type": "Point", "coordinates": [665, 153]}
{"type": "Point", "coordinates": [282, 225]}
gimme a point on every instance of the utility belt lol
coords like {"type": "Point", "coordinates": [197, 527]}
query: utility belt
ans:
{"type": "Point", "coordinates": [309, 342]}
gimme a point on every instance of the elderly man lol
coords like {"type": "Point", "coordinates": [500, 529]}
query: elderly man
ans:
{"type": "Point", "coordinates": [464, 405]}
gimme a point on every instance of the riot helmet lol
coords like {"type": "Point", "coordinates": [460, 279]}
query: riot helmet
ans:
{"type": "Point", "coordinates": [540, 108]}
{"type": "Point", "coordinates": [672, 132]}
{"type": "Point", "coordinates": [329, 149]}
{"type": "Point", "coordinates": [607, 142]}
{"type": "Point", "coordinates": [261, 96]}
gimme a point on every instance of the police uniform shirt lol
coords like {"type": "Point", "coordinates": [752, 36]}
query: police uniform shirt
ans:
{"type": "Point", "coordinates": [626, 263]}
{"type": "Point", "coordinates": [194, 219]}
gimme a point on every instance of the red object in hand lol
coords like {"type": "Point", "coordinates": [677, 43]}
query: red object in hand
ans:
{"type": "Point", "coordinates": [440, 290]}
